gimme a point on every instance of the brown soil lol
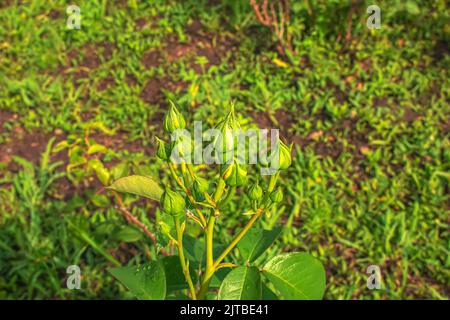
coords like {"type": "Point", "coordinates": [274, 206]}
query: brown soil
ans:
{"type": "Point", "coordinates": [27, 145]}
{"type": "Point", "coordinates": [140, 23]}
{"type": "Point", "coordinates": [440, 50]}
{"type": "Point", "coordinates": [54, 14]}
{"type": "Point", "coordinates": [91, 58]}
{"type": "Point", "coordinates": [201, 43]}
{"type": "Point", "coordinates": [151, 59]}
{"type": "Point", "coordinates": [283, 117]}
{"type": "Point", "coordinates": [324, 144]}
{"type": "Point", "coordinates": [380, 102]}
{"type": "Point", "coordinates": [6, 3]}
{"type": "Point", "coordinates": [120, 141]}
{"type": "Point", "coordinates": [410, 115]}
{"type": "Point", "coordinates": [105, 83]}
{"type": "Point", "coordinates": [153, 91]}
{"type": "Point", "coordinates": [5, 116]}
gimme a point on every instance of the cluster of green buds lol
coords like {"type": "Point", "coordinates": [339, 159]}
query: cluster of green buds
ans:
{"type": "Point", "coordinates": [232, 173]}
{"type": "Point", "coordinates": [188, 198]}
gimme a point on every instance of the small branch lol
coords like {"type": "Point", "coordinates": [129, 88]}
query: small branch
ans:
{"type": "Point", "coordinates": [238, 237]}
{"type": "Point", "coordinates": [267, 15]}
{"type": "Point", "coordinates": [133, 220]}
{"type": "Point", "coordinates": [188, 193]}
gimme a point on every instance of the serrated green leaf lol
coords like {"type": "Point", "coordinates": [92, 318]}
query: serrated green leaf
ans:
{"type": "Point", "coordinates": [143, 186]}
{"type": "Point", "coordinates": [243, 283]}
{"type": "Point", "coordinates": [146, 282]}
{"type": "Point", "coordinates": [297, 276]}
{"type": "Point", "coordinates": [256, 241]}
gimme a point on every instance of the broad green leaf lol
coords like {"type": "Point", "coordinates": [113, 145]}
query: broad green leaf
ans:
{"type": "Point", "coordinates": [143, 186]}
{"type": "Point", "coordinates": [267, 293]}
{"type": "Point", "coordinates": [256, 241]}
{"type": "Point", "coordinates": [129, 234]}
{"type": "Point", "coordinates": [175, 279]}
{"type": "Point", "coordinates": [146, 282]}
{"type": "Point", "coordinates": [218, 277]}
{"type": "Point", "coordinates": [243, 283]}
{"type": "Point", "coordinates": [297, 276]}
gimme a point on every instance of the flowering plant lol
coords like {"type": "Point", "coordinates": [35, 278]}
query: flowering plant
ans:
{"type": "Point", "coordinates": [190, 199]}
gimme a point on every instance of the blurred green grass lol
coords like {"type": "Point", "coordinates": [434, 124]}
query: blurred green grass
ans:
{"type": "Point", "coordinates": [370, 120]}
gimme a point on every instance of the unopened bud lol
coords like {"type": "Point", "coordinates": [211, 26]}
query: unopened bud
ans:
{"type": "Point", "coordinates": [200, 187]}
{"type": "Point", "coordinates": [225, 142]}
{"type": "Point", "coordinates": [277, 195]}
{"type": "Point", "coordinates": [174, 119]}
{"type": "Point", "coordinates": [172, 202]}
{"type": "Point", "coordinates": [163, 151]}
{"type": "Point", "coordinates": [234, 175]}
{"type": "Point", "coordinates": [255, 192]}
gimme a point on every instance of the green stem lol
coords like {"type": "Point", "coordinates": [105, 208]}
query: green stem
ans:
{"type": "Point", "coordinates": [184, 266]}
{"type": "Point", "coordinates": [272, 183]}
{"type": "Point", "coordinates": [238, 237]}
{"type": "Point", "coordinates": [188, 193]}
{"type": "Point", "coordinates": [185, 174]}
{"type": "Point", "coordinates": [228, 197]}
{"type": "Point", "coordinates": [209, 237]}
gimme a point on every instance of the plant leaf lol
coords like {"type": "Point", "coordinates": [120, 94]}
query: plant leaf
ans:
{"type": "Point", "coordinates": [143, 186]}
{"type": "Point", "coordinates": [146, 282]}
{"type": "Point", "coordinates": [267, 293]}
{"type": "Point", "coordinates": [129, 234]}
{"type": "Point", "coordinates": [195, 250]}
{"type": "Point", "coordinates": [243, 283]}
{"type": "Point", "coordinates": [297, 276]}
{"type": "Point", "coordinates": [256, 241]}
{"type": "Point", "coordinates": [175, 279]}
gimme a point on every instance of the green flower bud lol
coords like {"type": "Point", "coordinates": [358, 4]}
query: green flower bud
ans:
{"type": "Point", "coordinates": [234, 175]}
{"type": "Point", "coordinates": [172, 202]}
{"type": "Point", "coordinates": [200, 186]}
{"type": "Point", "coordinates": [174, 119]}
{"type": "Point", "coordinates": [225, 142]}
{"type": "Point", "coordinates": [164, 149]}
{"type": "Point", "coordinates": [182, 147]}
{"type": "Point", "coordinates": [255, 192]}
{"type": "Point", "coordinates": [285, 156]}
{"type": "Point", "coordinates": [276, 195]}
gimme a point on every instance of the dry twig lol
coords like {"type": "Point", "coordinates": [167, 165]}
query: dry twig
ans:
{"type": "Point", "coordinates": [277, 20]}
{"type": "Point", "coordinates": [133, 220]}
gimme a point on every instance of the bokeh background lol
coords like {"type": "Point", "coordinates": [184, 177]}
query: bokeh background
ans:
{"type": "Point", "coordinates": [368, 111]}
